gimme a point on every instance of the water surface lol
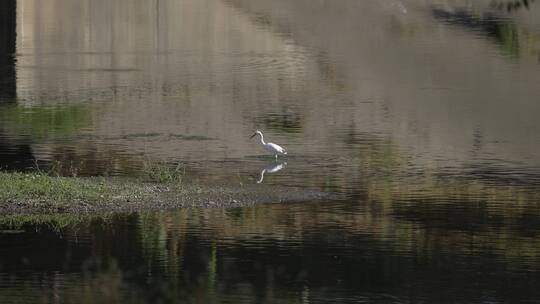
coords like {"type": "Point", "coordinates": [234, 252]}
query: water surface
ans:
{"type": "Point", "coordinates": [421, 115]}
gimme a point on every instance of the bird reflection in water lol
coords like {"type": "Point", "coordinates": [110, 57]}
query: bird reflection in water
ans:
{"type": "Point", "coordinates": [271, 168]}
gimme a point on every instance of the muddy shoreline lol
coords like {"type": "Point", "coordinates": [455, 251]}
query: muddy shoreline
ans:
{"type": "Point", "coordinates": [153, 197]}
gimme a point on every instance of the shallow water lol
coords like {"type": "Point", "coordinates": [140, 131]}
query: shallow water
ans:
{"type": "Point", "coordinates": [421, 115]}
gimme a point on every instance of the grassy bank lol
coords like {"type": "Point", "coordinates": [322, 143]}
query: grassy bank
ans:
{"type": "Point", "coordinates": [159, 188]}
{"type": "Point", "coordinates": [22, 186]}
{"type": "Point", "coordinates": [39, 191]}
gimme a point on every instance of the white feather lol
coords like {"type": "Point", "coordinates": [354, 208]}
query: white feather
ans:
{"type": "Point", "coordinates": [271, 147]}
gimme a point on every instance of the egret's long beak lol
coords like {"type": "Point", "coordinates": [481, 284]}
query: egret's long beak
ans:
{"type": "Point", "coordinates": [252, 136]}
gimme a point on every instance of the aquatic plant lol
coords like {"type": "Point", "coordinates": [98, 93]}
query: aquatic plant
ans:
{"type": "Point", "coordinates": [161, 172]}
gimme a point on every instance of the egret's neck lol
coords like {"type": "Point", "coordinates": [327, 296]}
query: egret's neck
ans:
{"type": "Point", "coordinates": [262, 139]}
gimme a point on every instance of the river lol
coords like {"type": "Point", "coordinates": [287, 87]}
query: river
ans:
{"type": "Point", "coordinates": [419, 117]}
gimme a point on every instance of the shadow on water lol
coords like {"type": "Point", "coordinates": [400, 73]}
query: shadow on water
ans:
{"type": "Point", "coordinates": [7, 50]}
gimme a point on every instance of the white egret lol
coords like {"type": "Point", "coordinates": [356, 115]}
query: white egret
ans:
{"type": "Point", "coordinates": [270, 147]}
{"type": "Point", "coordinates": [271, 168]}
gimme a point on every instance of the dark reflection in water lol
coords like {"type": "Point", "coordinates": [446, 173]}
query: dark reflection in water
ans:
{"type": "Point", "coordinates": [335, 252]}
{"type": "Point", "coordinates": [502, 31]}
{"type": "Point", "coordinates": [7, 50]}
{"type": "Point", "coordinates": [16, 156]}
{"type": "Point", "coordinates": [512, 5]}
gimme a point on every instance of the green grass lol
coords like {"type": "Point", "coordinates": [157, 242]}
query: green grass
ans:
{"type": "Point", "coordinates": [57, 192]}
{"type": "Point", "coordinates": [164, 173]}
{"type": "Point", "coordinates": [49, 191]}
{"type": "Point", "coordinates": [50, 185]}
{"type": "Point", "coordinates": [16, 185]}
